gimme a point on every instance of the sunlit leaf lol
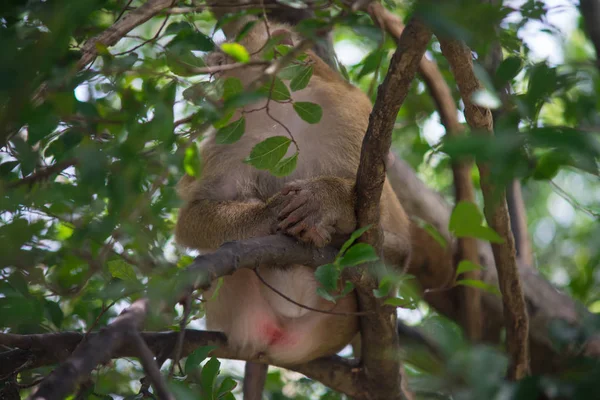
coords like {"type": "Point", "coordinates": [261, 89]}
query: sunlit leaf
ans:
{"type": "Point", "coordinates": [236, 51]}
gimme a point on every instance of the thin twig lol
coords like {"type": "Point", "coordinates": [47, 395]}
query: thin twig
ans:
{"type": "Point", "coordinates": [150, 366]}
{"type": "Point", "coordinates": [279, 293]}
{"type": "Point", "coordinates": [153, 38]}
{"type": "Point", "coordinates": [187, 308]}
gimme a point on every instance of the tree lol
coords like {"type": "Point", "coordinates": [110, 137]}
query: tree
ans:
{"type": "Point", "coordinates": [101, 106]}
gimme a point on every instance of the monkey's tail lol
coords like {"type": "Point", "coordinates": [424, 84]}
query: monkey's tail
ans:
{"type": "Point", "coordinates": [255, 376]}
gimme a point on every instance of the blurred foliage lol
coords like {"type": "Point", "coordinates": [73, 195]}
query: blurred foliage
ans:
{"type": "Point", "coordinates": [87, 175]}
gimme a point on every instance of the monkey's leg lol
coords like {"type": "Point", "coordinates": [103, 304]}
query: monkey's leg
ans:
{"type": "Point", "coordinates": [207, 224]}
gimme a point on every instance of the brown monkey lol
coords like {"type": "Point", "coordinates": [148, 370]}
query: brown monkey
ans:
{"type": "Point", "coordinates": [233, 201]}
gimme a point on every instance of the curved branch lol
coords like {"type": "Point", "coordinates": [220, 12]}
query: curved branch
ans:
{"type": "Point", "coordinates": [378, 333]}
{"type": "Point", "coordinates": [496, 212]}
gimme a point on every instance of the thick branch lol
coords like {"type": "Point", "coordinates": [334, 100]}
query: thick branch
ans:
{"type": "Point", "coordinates": [379, 338]}
{"type": "Point", "coordinates": [47, 349]}
{"type": "Point", "coordinates": [442, 95]}
{"type": "Point", "coordinates": [93, 351]}
{"type": "Point", "coordinates": [496, 212]}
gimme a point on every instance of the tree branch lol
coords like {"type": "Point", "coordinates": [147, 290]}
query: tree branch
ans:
{"type": "Point", "coordinates": [442, 95]}
{"type": "Point", "coordinates": [335, 372]}
{"type": "Point", "coordinates": [496, 212]}
{"type": "Point", "coordinates": [378, 334]}
{"type": "Point", "coordinates": [275, 250]}
{"type": "Point", "coordinates": [95, 350]}
{"type": "Point", "coordinates": [122, 27]}
{"type": "Point", "coordinates": [590, 10]}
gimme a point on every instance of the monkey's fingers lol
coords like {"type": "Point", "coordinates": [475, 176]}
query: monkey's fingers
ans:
{"type": "Point", "coordinates": [318, 236]}
{"type": "Point", "coordinates": [291, 187]}
{"type": "Point", "coordinates": [291, 204]}
{"type": "Point", "coordinates": [297, 215]}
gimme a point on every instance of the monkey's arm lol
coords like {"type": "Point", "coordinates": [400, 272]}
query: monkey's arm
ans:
{"type": "Point", "coordinates": [207, 224]}
{"type": "Point", "coordinates": [322, 210]}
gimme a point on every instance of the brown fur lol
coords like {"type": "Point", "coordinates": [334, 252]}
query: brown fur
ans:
{"type": "Point", "coordinates": [234, 201]}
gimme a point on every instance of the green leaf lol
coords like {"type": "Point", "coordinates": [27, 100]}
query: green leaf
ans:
{"type": "Point", "coordinates": [360, 253]}
{"type": "Point", "coordinates": [121, 270]}
{"type": "Point", "coordinates": [276, 90]}
{"type": "Point", "coordinates": [194, 360]}
{"type": "Point", "coordinates": [466, 221]}
{"type": "Point", "coordinates": [191, 161]}
{"type": "Point", "coordinates": [63, 231]}
{"type": "Point", "coordinates": [309, 112]}
{"type": "Point", "coordinates": [328, 276]}
{"type": "Point", "coordinates": [371, 62]}
{"type": "Point", "coordinates": [236, 51]}
{"type": "Point", "coordinates": [479, 285]}
{"type": "Point", "coordinates": [266, 154]}
{"type": "Point", "coordinates": [208, 376]}
{"type": "Point", "coordinates": [431, 230]}
{"type": "Point", "coordinates": [226, 386]}
{"type": "Point", "coordinates": [54, 313]}
{"type": "Point", "coordinates": [232, 87]}
{"type": "Point", "coordinates": [466, 266]}
{"type": "Point", "coordinates": [386, 284]}
{"type": "Point", "coordinates": [398, 302]}
{"type": "Point", "coordinates": [232, 132]}
{"type": "Point", "coordinates": [508, 70]}
{"type": "Point", "coordinates": [290, 71]}
{"type": "Point", "coordinates": [301, 80]}
{"type": "Point", "coordinates": [286, 166]}
{"type": "Point", "coordinates": [7, 167]}
{"type": "Point", "coordinates": [325, 294]}
{"type": "Point", "coordinates": [355, 235]}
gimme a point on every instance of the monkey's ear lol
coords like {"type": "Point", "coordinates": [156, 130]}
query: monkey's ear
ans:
{"type": "Point", "coordinates": [284, 35]}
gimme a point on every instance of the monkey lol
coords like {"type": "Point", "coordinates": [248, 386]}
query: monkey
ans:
{"type": "Point", "coordinates": [315, 204]}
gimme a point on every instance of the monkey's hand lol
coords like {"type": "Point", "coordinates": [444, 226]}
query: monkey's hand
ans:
{"type": "Point", "coordinates": [313, 210]}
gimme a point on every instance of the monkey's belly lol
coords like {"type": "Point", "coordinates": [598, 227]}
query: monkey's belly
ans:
{"type": "Point", "coordinates": [258, 321]}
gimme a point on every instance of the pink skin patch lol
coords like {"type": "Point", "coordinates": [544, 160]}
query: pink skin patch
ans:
{"type": "Point", "coordinates": [275, 336]}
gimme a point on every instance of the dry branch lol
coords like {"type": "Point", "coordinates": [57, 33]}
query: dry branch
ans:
{"type": "Point", "coordinates": [496, 212]}
{"type": "Point", "coordinates": [378, 334]}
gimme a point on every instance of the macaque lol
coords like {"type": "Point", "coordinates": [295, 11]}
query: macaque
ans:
{"type": "Point", "coordinates": [233, 200]}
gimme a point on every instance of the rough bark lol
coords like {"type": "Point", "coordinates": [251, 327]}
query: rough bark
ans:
{"type": "Point", "coordinates": [496, 212]}
{"type": "Point", "coordinates": [378, 332]}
